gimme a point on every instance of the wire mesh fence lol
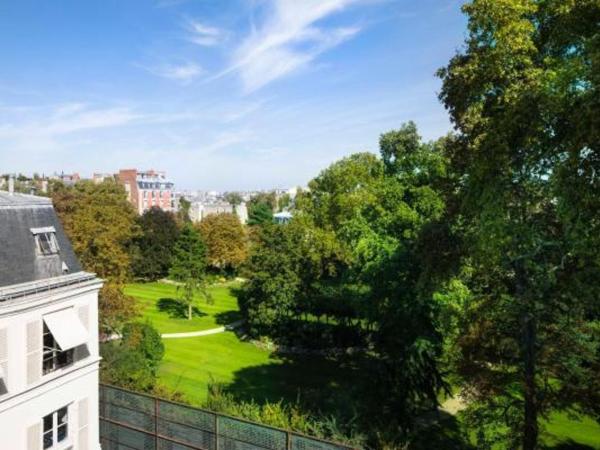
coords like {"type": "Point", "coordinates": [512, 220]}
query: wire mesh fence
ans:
{"type": "Point", "coordinates": [130, 420]}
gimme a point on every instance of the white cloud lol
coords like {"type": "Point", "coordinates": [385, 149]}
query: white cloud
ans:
{"type": "Point", "coordinates": [204, 35]}
{"type": "Point", "coordinates": [184, 73]}
{"type": "Point", "coordinates": [67, 118]}
{"type": "Point", "coordinates": [288, 40]}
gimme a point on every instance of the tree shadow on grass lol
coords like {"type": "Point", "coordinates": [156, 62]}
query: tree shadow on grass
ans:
{"type": "Point", "coordinates": [176, 309]}
{"type": "Point", "coordinates": [227, 317]}
{"type": "Point", "coordinates": [329, 386]}
{"type": "Point", "coordinates": [569, 445]}
{"type": "Point", "coordinates": [445, 433]}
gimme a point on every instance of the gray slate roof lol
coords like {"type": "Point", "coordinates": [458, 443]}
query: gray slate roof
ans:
{"type": "Point", "coordinates": [19, 262]}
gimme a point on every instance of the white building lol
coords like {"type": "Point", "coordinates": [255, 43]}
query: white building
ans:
{"type": "Point", "coordinates": [48, 333]}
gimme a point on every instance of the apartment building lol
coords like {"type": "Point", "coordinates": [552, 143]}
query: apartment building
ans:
{"type": "Point", "coordinates": [49, 358]}
{"type": "Point", "coordinates": [147, 189]}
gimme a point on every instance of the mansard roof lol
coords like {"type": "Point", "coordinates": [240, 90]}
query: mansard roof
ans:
{"type": "Point", "coordinates": [20, 261]}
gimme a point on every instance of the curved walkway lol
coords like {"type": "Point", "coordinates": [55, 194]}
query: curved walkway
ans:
{"type": "Point", "coordinates": [231, 326]}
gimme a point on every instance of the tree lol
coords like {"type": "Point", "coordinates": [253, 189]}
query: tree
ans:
{"type": "Point", "coordinates": [260, 214]}
{"type": "Point", "coordinates": [225, 240]}
{"type": "Point", "coordinates": [132, 361]}
{"type": "Point", "coordinates": [234, 199]}
{"type": "Point", "coordinates": [100, 223]}
{"type": "Point", "coordinates": [154, 245]}
{"type": "Point", "coordinates": [189, 266]}
{"type": "Point", "coordinates": [524, 97]}
{"type": "Point", "coordinates": [183, 212]}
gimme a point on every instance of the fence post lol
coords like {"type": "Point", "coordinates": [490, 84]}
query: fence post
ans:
{"type": "Point", "coordinates": [288, 440]}
{"type": "Point", "coordinates": [155, 423]}
{"type": "Point", "coordinates": [216, 431]}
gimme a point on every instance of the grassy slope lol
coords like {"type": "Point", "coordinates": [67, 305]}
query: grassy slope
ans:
{"type": "Point", "coordinates": [158, 304]}
{"type": "Point", "coordinates": [256, 374]}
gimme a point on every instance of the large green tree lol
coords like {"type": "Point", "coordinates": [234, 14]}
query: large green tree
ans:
{"type": "Point", "coordinates": [153, 248]}
{"type": "Point", "coordinates": [188, 267]}
{"type": "Point", "coordinates": [524, 97]}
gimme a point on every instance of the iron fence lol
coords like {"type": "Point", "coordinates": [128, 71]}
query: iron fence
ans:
{"type": "Point", "coordinates": [133, 421]}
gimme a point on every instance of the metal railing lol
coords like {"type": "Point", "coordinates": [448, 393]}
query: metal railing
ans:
{"type": "Point", "coordinates": [135, 421]}
{"type": "Point", "coordinates": [36, 287]}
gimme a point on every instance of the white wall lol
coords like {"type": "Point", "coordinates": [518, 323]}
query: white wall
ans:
{"type": "Point", "coordinates": [24, 406]}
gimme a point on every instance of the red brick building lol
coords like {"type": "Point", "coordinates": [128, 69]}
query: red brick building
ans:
{"type": "Point", "coordinates": [147, 189]}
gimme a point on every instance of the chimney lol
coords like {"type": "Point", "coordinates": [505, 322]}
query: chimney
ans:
{"type": "Point", "coordinates": [11, 185]}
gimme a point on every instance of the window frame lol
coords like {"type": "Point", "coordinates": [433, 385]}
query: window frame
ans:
{"type": "Point", "coordinates": [52, 353]}
{"type": "Point", "coordinates": [55, 427]}
{"type": "Point", "coordinates": [46, 243]}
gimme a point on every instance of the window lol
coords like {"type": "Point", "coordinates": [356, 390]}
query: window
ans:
{"type": "Point", "coordinates": [56, 427]}
{"type": "Point", "coordinates": [53, 357]}
{"type": "Point", "coordinates": [45, 240]}
{"type": "Point", "coordinates": [47, 244]}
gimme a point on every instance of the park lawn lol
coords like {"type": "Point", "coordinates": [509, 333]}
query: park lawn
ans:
{"type": "Point", "coordinates": [249, 372]}
{"type": "Point", "coordinates": [562, 430]}
{"type": "Point", "coordinates": [158, 304]}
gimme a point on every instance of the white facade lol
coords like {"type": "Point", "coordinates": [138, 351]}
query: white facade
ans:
{"type": "Point", "coordinates": [31, 390]}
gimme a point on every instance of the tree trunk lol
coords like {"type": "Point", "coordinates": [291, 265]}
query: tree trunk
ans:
{"type": "Point", "coordinates": [530, 432]}
{"type": "Point", "coordinates": [190, 311]}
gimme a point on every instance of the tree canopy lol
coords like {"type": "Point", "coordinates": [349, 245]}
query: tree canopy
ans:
{"type": "Point", "coordinates": [153, 247]}
{"type": "Point", "coordinates": [225, 239]}
{"type": "Point", "coordinates": [523, 96]}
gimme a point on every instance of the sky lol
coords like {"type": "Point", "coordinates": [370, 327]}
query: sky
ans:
{"type": "Point", "coordinates": [221, 94]}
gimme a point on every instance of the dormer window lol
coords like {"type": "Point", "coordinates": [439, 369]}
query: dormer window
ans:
{"type": "Point", "coordinates": [45, 241]}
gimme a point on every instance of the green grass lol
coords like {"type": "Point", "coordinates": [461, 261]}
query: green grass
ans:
{"type": "Point", "coordinates": [255, 374]}
{"type": "Point", "coordinates": [563, 430]}
{"type": "Point", "coordinates": [251, 373]}
{"type": "Point", "coordinates": [158, 304]}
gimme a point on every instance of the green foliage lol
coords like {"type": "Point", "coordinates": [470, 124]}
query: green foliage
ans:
{"type": "Point", "coordinates": [133, 361]}
{"type": "Point", "coordinates": [233, 198]}
{"type": "Point", "coordinates": [189, 266]}
{"type": "Point", "coordinates": [358, 251]}
{"type": "Point", "coordinates": [145, 339]}
{"type": "Point", "coordinates": [183, 212]}
{"type": "Point", "coordinates": [153, 248]}
{"type": "Point", "coordinates": [289, 416]}
{"type": "Point", "coordinates": [260, 214]}
{"type": "Point", "coordinates": [524, 97]}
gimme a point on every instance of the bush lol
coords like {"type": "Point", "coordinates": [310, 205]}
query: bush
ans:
{"type": "Point", "coordinates": [133, 361]}
{"type": "Point", "coordinates": [289, 416]}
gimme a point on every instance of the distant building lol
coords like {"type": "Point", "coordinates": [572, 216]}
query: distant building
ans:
{"type": "Point", "coordinates": [282, 217]}
{"type": "Point", "coordinates": [67, 179]}
{"type": "Point", "coordinates": [200, 210]}
{"type": "Point", "coordinates": [98, 178]}
{"type": "Point", "coordinates": [147, 189]}
{"type": "Point", "coordinates": [49, 358]}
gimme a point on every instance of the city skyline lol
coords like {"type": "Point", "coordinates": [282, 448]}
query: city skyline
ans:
{"type": "Point", "coordinates": [247, 95]}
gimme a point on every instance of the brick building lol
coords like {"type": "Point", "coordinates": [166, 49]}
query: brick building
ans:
{"type": "Point", "coordinates": [147, 189]}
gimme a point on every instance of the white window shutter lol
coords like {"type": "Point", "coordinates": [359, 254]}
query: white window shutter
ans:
{"type": "Point", "coordinates": [82, 352]}
{"type": "Point", "coordinates": [84, 316]}
{"type": "Point", "coordinates": [34, 351]}
{"type": "Point", "coordinates": [82, 417]}
{"type": "Point", "coordinates": [34, 437]}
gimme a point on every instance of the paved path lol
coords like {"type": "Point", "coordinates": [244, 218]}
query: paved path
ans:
{"type": "Point", "coordinates": [231, 326]}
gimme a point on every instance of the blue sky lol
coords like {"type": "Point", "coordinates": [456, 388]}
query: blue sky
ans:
{"type": "Point", "coordinates": [222, 94]}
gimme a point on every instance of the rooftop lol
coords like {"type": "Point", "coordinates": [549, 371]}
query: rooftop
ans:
{"type": "Point", "coordinates": [23, 218]}
{"type": "Point", "coordinates": [8, 200]}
